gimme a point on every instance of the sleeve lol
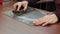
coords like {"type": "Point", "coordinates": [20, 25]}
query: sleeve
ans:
{"type": "Point", "coordinates": [57, 12]}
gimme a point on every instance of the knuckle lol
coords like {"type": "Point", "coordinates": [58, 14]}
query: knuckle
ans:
{"type": "Point", "coordinates": [18, 2]}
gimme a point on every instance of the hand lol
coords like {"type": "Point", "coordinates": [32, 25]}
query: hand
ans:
{"type": "Point", "coordinates": [19, 4]}
{"type": "Point", "coordinates": [48, 19]}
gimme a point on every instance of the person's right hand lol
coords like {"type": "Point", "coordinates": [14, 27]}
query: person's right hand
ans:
{"type": "Point", "coordinates": [19, 4]}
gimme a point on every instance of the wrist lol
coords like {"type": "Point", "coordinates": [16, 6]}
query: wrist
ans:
{"type": "Point", "coordinates": [54, 16]}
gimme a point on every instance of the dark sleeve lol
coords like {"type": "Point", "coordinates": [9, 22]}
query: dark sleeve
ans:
{"type": "Point", "coordinates": [57, 12]}
{"type": "Point", "coordinates": [30, 1]}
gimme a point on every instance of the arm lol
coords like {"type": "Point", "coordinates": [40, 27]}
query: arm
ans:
{"type": "Point", "coordinates": [57, 9]}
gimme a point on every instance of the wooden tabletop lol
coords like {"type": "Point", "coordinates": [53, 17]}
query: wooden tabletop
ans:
{"type": "Point", "coordinates": [11, 26]}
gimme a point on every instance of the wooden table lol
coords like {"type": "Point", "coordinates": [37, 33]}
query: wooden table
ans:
{"type": "Point", "coordinates": [11, 26]}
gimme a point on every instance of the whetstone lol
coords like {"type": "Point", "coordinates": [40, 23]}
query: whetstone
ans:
{"type": "Point", "coordinates": [28, 17]}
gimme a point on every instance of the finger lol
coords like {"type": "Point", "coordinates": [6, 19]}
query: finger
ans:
{"type": "Point", "coordinates": [19, 6]}
{"type": "Point", "coordinates": [25, 6]}
{"type": "Point", "coordinates": [41, 21]}
{"type": "Point", "coordinates": [38, 22]}
{"type": "Point", "coordinates": [14, 6]}
{"type": "Point", "coordinates": [45, 24]}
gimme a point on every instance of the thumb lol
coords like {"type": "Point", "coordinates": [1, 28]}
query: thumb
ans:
{"type": "Point", "coordinates": [25, 7]}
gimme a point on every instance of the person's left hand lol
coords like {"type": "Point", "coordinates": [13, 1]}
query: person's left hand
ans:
{"type": "Point", "coordinates": [48, 19]}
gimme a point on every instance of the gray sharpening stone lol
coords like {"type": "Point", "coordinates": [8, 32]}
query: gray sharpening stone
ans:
{"type": "Point", "coordinates": [27, 18]}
